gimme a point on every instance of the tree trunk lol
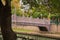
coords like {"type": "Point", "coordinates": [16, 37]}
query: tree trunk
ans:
{"type": "Point", "coordinates": [5, 20]}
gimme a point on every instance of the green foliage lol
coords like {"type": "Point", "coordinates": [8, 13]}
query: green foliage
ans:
{"type": "Point", "coordinates": [54, 16]}
{"type": "Point", "coordinates": [55, 5]}
{"type": "Point", "coordinates": [36, 14]}
{"type": "Point", "coordinates": [31, 2]}
{"type": "Point", "coordinates": [12, 11]}
{"type": "Point", "coordinates": [38, 9]}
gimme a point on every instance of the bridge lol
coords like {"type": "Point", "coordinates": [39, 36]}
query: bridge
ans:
{"type": "Point", "coordinates": [26, 21]}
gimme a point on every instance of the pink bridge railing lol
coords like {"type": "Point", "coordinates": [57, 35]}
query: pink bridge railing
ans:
{"type": "Point", "coordinates": [31, 21]}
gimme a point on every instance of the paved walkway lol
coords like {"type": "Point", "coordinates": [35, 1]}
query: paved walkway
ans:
{"type": "Point", "coordinates": [44, 34]}
{"type": "Point", "coordinates": [38, 32]}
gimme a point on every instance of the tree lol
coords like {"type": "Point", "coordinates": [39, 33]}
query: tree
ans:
{"type": "Point", "coordinates": [5, 21]}
{"type": "Point", "coordinates": [51, 6]}
{"type": "Point", "coordinates": [44, 6]}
